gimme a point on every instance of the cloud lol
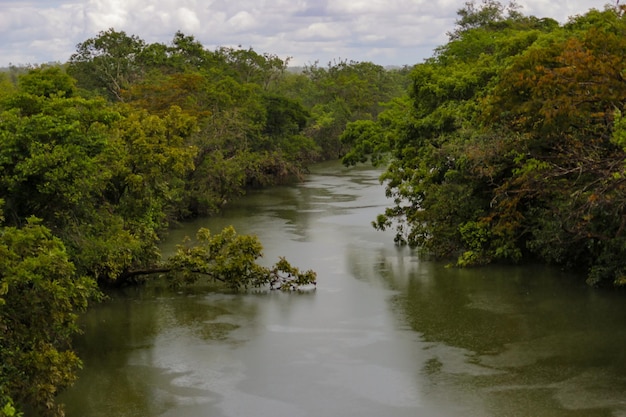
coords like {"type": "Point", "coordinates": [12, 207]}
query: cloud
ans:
{"type": "Point", "coordinates": [243, 21]}
{"type": "Point", "coordinates": [561, 10]}
{"type": "Point", "coordinates": [313, 9]}
{"type": "Point", "coordinates": [187, 19]}
{"type": "Point", "coordinates": [383, 31]}
{"type": "Point", "coordinates": [104, 14]}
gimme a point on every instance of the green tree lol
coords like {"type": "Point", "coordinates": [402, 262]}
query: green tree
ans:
{"type": "Point", "coordinates": [108, 63]}
{"type": "Point", "coordinates": [231, 259]}
{"type": "Point", "coordinates": [266, 69]}
{"type": "Point", "coordinates": [47, 81]}
{"type": "Point", "coordinates": [511, 149]}
{"type": "Point", "coordinates": [105, 179]}
{"type": "Point", "coordinates": [40, 298]}
{"type": "Point", "coordinates": [344, 92]}
{"type": "Point", "coordinates": [565, 187]}
{"type": "Point", "coordinates": [437, 144]}
{"type": "Point", "coordinates": [50, 157]}
{"type": "Point", "coordinates": [489, 15]}
{"type": "Point", "coordinates": [6, 86]}
{"type": "Point", "coordinates": [185, 53]}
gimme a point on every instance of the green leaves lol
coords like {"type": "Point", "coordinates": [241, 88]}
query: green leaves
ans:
{"type": "Point", "coordinates": [47, 82]}
{"type": "Point", "coordinates": [513, 147]}
{"type": "Point", "coordinates": [231, 259]}
{"type": "Point", "coordinates": [110, 62]}
{"type": "Point", "coordinates": [366, 139]}
{"type": "Point", "coordinates": [9, 410]}
{"type": "Point", "coordinates": [40, 297]}
{"type": "Point", "coordinates": [618, 136]}
{"type": "Point", "coordinates": [51, 160]}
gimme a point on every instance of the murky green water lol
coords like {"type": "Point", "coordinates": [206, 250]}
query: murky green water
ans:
{"type": "Point", "coordinates": [384, 334]}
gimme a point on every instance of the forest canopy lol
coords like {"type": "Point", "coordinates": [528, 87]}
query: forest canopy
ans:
{"type": "Point", "coordinates": [510, 145]}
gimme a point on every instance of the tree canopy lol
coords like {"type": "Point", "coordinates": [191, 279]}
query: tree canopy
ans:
{"type": "Point", "coordinates": [510, 146]}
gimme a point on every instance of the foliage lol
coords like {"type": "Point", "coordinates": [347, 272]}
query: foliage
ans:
{"type": "Point", "coordinates": [344, 92]}
{"type": "Point", "coordinates": [512, 148]}
{"type": "Point", "coordinates": [40, 297]}
{"type": "Point", "coordinates": [89, 185]}
{"type": "Point", "coordinates": [489, 15]}
{"type": "Point", "coordinates": [47, 81]}
{"type": "Point", "coordinates": [50, 157]}
{"type": "Point", "coordinates": [232, 259]}
{"type": "Point", "coordinates": [265, 70]}
{"type": "Point", "coordinates": [108, 63]}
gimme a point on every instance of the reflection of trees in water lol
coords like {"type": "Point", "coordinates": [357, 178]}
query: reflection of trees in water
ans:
{"type": "Point", "coordinates": [297, 207]}
{"type": "Point", "coordinates": [113, 331]}
{"type": "Point", "coordinates": [522, 339]}
{"type": "Point", "coordinates": [123, 375]}
{"type": "Point", "coordinates": [128, 341]}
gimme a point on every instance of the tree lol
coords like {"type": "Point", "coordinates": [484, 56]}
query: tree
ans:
{"type": "Point", "coordinates": [50, 157]}
{"type": "Point", "coordinates": [344, 92]}
{"type": "Point", "coordinates": [490, 15]}
{"type": "Point", "coordinates": [231, 259]}
{"type": "Point", "coordinates": [512, 147]}
{"type": "Point", "coordinates": [266, 69]}
{"type": "Point", "coordinates": [185, 53]}
{"type": "Point", "coordinates": [47, 81]}
{"type": "Point", "coordinates": [561, 99]}
{"type": "Point", "coordinates": [436, 143]}
{"type": "Point", "coordinates": [109, 63]}
{"type": "Point", "coordinates": [40, 298]}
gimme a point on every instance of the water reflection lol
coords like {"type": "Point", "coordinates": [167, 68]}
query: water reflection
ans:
{"type": "Point", "coordinates": [136, 345]}
{"type": "Point", "coordinates": [525, 341]}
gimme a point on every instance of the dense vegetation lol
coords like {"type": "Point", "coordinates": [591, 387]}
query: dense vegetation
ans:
{"type": "Point", "coordinates": [511, 144]}
{"type": "Point", "coordinates": [101, 155]}
{"type": "Point", "coordinates": [507, 145]}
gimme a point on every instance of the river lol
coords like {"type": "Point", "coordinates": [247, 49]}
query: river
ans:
{"type": "Point", "coordinates": [384, 333]}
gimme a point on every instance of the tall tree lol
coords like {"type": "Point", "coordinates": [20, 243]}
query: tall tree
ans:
{"type": "Point", "coordinates": [108, 63]}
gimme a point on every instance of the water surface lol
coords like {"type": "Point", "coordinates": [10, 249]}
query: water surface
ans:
{"type": "Point", "coordinates": [384, 333]}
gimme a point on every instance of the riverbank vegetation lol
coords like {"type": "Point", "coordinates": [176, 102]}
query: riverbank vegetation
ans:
{"type": "Point", "coordinates": [101, 155]}
{"type": "Point", "coordinates": [511, 144]}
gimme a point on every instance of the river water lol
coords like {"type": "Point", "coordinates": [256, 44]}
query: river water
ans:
{"type": "Point", "coordinates": [384, 333]}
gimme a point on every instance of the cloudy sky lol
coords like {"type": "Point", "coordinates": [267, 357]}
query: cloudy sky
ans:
{"type": "Point", "coordinates": [386, 32]}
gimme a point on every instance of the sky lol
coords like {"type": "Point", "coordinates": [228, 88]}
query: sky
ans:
{"type": "Point", "coordinates": [385, 32]}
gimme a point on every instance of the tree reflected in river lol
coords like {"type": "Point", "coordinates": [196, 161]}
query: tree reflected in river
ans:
{"type": "Point", "coordinates": [525, 340]}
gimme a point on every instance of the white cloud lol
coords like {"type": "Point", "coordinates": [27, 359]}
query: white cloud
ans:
{"type": "Point", "coordinates": [382, 31]}
{"type": "Point", "coordinates": [323, 31]}
{"type": "Point", "coordinates": [104, 14]}
{"type": "Point", "coordinates": [352, 7]}
{"type": "Point", "coordinates": [188, 19]}
{"type": "Point", "coordinates": [560, 10]}
{"type": "Point", "coordinates": [243, 21]}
